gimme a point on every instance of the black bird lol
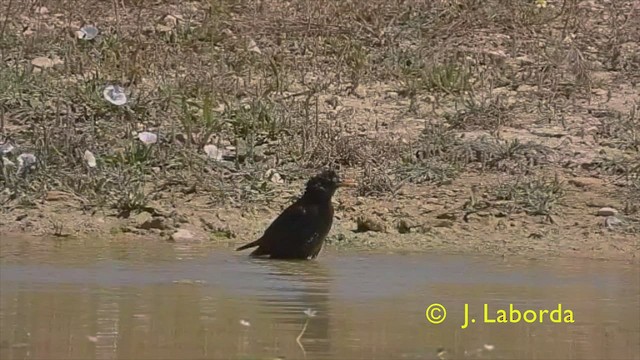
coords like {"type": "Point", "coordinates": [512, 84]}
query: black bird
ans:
{"type": "Point", "coordinates": [299, 232]}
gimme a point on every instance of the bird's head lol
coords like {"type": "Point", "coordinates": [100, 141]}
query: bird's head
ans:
{"type": "Point", "coordinates": [326, 183]}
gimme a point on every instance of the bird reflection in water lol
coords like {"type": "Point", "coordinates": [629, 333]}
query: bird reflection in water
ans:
{"type": "Point", "coordinates": [301, 297]}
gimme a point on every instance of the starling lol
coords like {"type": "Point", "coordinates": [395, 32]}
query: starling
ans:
{"type": "Point", "coordinates": [299, 232]}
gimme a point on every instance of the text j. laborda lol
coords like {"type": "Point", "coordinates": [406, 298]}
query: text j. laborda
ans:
{"type": "Point", "coordinates": [436, 313]}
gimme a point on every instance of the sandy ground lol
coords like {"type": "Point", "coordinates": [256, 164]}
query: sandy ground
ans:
{"type": "Point", "coordinates": [418, 218]}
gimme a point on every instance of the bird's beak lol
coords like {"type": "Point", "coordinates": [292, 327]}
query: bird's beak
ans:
{"type": "Point", "coordinates": [347, 183]}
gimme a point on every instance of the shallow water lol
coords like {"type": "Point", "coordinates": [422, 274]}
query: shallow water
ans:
{"type": "Point", "coordinates": [99, 299]}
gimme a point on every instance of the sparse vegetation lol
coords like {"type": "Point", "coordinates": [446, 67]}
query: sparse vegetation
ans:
{"type": "Point", "coordinates": [400, 93]}
{"type": "Point", "coordinates": [537, 196]}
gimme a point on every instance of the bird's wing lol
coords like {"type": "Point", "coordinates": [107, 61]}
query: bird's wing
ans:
{"type": "Point", "coordinates": [295, 221]}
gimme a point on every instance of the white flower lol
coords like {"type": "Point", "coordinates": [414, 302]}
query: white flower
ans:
{"type": "Point", "coordinates": [87, 32]}
{"type": "Point", "coordinates": [89, 158]}
{"type": "Point", "coordinates": [310, 313]}
{"type": "Point", "coordinates": [245, 323]}
{"type": "Point", "coordinates": [115, 95]}
{"type": "Point", "coordinates": [26, 161]}
{"type": "Point", "coordinates": [148, 137]}
{"type": "Point", "coordinates": [213, 152]}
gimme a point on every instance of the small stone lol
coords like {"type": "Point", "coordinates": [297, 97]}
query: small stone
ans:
{"type": "Point", "coordinates": [56, 196]}
{"type": "Point", "coordinates": [365, 224]}
{"type": "Point", "coordinates": [446, 216]}
{"type": "Point", "coordinates": [45, 63]}
{"type": "Point", "coordinates": [146, 221]}
{"type": "Point", "coordinates": [155, 223]}
{"type": "Point", "coordinates": [182, 235]}
{"type": "Point", "coordinates": [381, 211]}
{"type": "Point", "coordinates": [526, 88]}
{"type": "Point", "coordinates": [360, 92]}
{"type": "Point", "coordinates": [607, 211]}
{"type": "Point", "coordinates": [583, 182]}
{"type": "Point", "coordinates": [182, 219]}
{"type": "Point", "coordinates": [444, 224]}
{"type": "Point", "coordinates": [403, 227]}
{"type": "Point", "coordinates": [142, 217]}
{"type": "Point", "coordinates": [598, 203]}
{"type": "Point", "coordinates": [523, 61]}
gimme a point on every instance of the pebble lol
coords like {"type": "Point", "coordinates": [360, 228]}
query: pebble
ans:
{"type": "Point", "coordinates": [182, 235]}
{"type": "Point", "coordinates": [45, 63]}
{"type": "Point", "coordinates": [370, 224]}
{"type": "Point", "coordinates": [583, 182]}
{"type": "Point", "coordinates": [446, 216]}
{"type": "Point", "coordinates": [607, 211]}
{"type": "Point", "coordinates": [444, 224]}
{"type": "Point", "coordinates": [146, 221]}
{"type": "Point", "coordinates": [404, 226]}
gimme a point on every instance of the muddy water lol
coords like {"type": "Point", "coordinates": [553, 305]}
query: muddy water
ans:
{"type": "Point", "coordinates": [114, 300]}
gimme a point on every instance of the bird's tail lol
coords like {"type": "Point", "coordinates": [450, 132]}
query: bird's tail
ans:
{"type": "Point", "coordinates": [249, 245]}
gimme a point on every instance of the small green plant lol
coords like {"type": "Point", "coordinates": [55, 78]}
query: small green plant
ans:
{"type": "Point", "coordinates": [451, 76]}
{"type": "Point", "coordinates": [486, 114]}
{"type": "Point", "coordinates": [430, 171]}
{"type": "Point", "coordinates": [376, 181]}
{"type": "Point", "coordinates": [621, 131]}
{"type": "Point", "coordinates": [536, 196]}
